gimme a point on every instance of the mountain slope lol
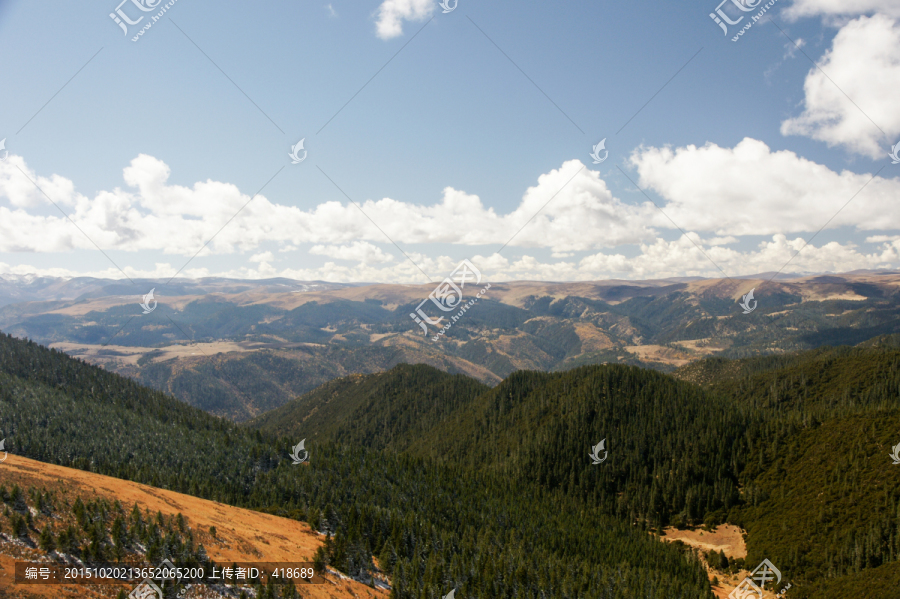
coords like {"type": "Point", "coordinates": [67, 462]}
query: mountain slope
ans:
{"type": "Point", "coordinates": [822, 493]}
{"type": "Point", "coordinates": [433, 526]}
{"type": "Point", "coordinates": [378, 411]}
{"type": "Point", "coordinates": [241, 535]}
{"type": "Point", "coordinates": [199, 343]}
{"type": "Point", "coordinates": [240, 388]}
{"type": "Point", "coordinates": [475, 481]}
{"type": "Point", "coordinates": [793, 448]}
{"type": "Point", "coordinates": [539, 427]}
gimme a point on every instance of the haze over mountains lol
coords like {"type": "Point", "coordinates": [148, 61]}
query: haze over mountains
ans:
{"type": "Point", "coordinates": [239, 348]}
{"type": "Point", "coordinates": [33, 288]}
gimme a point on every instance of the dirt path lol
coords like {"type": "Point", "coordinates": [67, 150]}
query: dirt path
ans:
{"type": "Point", "coordinates": [727, 538]}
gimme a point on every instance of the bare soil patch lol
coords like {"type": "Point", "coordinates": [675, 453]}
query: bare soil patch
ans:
{"type": "Point", "coordinates": [726, 537]}
{"type": "Point", "coordinates": [659, 353]}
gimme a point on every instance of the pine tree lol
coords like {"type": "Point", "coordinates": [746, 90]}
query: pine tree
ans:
{"type": "Point", "coordinates": [47, 542]}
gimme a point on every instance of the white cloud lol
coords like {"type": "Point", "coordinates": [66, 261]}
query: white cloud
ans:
{"type": "Point", "coordinates": [864, 62]}
{"type": "Point", "coordinates": [830, 8]}
{"type": "Point", "coordinates": [658, 259]}
{"type": "Point", "coordinates": [263, 257]}
{"type": "Point", "coordinates": [681, 257]}
{"type": "Point", "coordinates": [20, 188]}
{"type": "Point", "coordinates": [752, 190]}
{"type": "Point", "coordinates": [392, 13]}
{"type": "Point", "coordinates": [720, 195]}
{"type": "Point", "coordinates": [582, 214]}
{"type": "Point", "coordinates": [358, 251]}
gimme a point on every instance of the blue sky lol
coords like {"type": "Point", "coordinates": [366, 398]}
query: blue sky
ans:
{"type": "Point", "coordinates": [450, 110]}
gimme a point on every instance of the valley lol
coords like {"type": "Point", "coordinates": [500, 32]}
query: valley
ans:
{"type": "Point", "coordinates": [239, 348]}
{"type": "Point", "coordinates": [432, 479]}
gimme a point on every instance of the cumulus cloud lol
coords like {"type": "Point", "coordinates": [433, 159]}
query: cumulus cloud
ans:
{"type": "Point", "coordinates": [22, 186]}
{"type": "Point", "coordinates": [392, 13]}
{"type": "Point", "coordinates": [752, 190]}
{"type": "Point", "coordinates": [575, 212]}
{"type": "Point", "coordinates": [864, 61]}
{"type": "Point", "coordinates": [681, 257]}
{"type": "Point", "coordinates": [358, 251]}
{"type": "Point", "coordinates": [262, 257]}
{"type": "Point", "coordinates": [719, 195]}
{"type": "Point", "coordinates": [658, 259]}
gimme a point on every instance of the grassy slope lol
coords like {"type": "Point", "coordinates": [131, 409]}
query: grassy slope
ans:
{"type": "Point", "coordinates": [241, 535]}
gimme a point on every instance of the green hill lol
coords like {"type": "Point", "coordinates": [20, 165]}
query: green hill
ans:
{"type": "Point", "coordinates": [821, 494]}
{"type": "Point", "coordinates": [378, 411]}
{"type": "Point", "coordinates": [491, 490]}
{"type": "Point", "coordinates": [793, 448]}
{"type": "Point", "coordinates": [434, 526]}
{"type": "Point", "coordinates": [671, 445]}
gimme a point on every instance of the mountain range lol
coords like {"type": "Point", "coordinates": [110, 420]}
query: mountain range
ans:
{"type": "Point", "coordinates": [241, 348]}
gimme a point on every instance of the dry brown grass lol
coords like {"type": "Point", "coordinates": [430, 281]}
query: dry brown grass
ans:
{"type": "Point", "coordinates": [242, 535]}
{"type": "Point", "coordinates": [662, 354]}
{"type": "Point", "coordinates": [592, 338]}
{"type": "Point", "coordinates": [727, 538]}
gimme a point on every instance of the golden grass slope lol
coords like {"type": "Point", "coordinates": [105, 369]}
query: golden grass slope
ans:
{"type": "Point", "coordinates": [242, 535]}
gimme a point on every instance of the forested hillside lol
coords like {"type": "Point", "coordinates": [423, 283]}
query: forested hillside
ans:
{"type": "Point", "coordinates": [451, 484]}
{"type": "Point", "coordinates": [793, 448]}
{"type": "Point", "coordinates": [539, 428]}
{"type": "Point", "coordinates": [822, 493]}
{"type": "Point", "coordinates": [433, 526]}
{"type": "Point", "coordinates": [389, 410]}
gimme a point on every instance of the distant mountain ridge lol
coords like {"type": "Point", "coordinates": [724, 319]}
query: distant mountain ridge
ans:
{"type": "Point", "coordinates": [34, 288]}
{"type": "Point", "coordinates": [238, 348]}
